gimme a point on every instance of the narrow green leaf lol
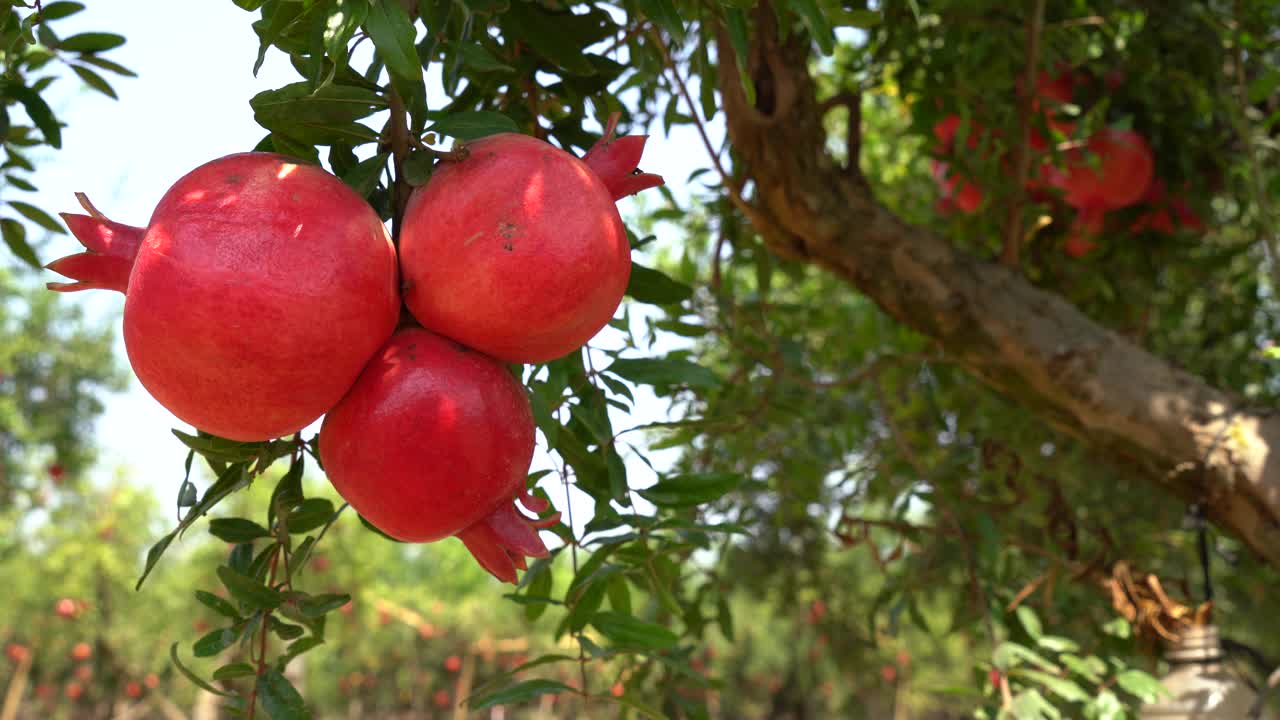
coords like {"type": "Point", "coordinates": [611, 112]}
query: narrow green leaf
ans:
{"type": "Point", "coordinates": [249, 590]}
{"type": "Point", "coordinates": [287, 493]}
{"type": "Point", "coordinates": [38, 216]}
{"type": "Point", "coordinates": [478, 59]}
{"type": "Point", "coordinates": [39, 111]}
{"type": "Point", "coordinates": [692, 489]}
{"type": "Point", "coordinates": [1141, 685]}
{"type": "Point", "coordinates": [363, 176]}
{"type": "Point", "coordinates": [519, 692]}
{"type": "Point", "coordinates": [108, 65]}
{"type": "Point", "coordinates": [664, 14]}
{"type": "Point", "coordinates": [559, 38]}
{"type": "Point", "coordinates": [173, 655]}
{"type": "Point", "coordinates": [1027, 618]}
{"type": "Point", "coordinates": [95, 81]}
{"type": "Point", "coordinates": [392, 33]}
{"type": "Point", "coordinates": [236, 530]}
{"type": "Point", "coordinates": [473, 125]}
{"type": "Point", "coordinates": [1066, 689]}
{"type": "Point", "coordinates": [586, 606]}
{"type": "Point", "coordinates": [92, 42]}
{"type": "Point", "coordinates": [320, 604]}
{"type": "Point", "coordinates": [215, 642]}
{"type": "Point", "coordinates": [376, 530]}
{"type": "Point", "coordinates": [655, 288]}
{"type": "Point", "coordinates": [279, 698]}
{"type": "Point", "coordinates": [345, 18]}
{"type": "Point", "coordinates": [19, 183]}
{"type": "Point", "coordinates": [311, 514]}
{"type": "Point", "coordinates": [59, 10]}
{"type": "Point", "coordinates": [418, 166]}
{"type": "Point", "coordinates": [218, 448]}
{"type": "Point", "coordinates": [153, 556]}
{"type": "Point", "coordinates": [666, 371]}
{"type": "Point", "coordinates": [233, 671]}
{"type": "Point", "coordinates": [628, 631]}
{"type": "Point", "coordinates": [15, 237]}
{"type": "Point", "coordinates": [218, 605]}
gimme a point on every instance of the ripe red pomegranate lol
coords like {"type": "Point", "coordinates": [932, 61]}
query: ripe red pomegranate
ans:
{"type": "Point", "coordinates": [433, 440]}
{"type": "Point", "coordinates": [17, 653]}
{"type": "Point", "coordinates": [618, 690]}
{"type": "Point", "coordinates": [81, 651]}
{"type": "Point", "coordinates": [253, 297]}
{"type": "Point", "coordinates": [441, 698]}
{"type": "Point", "coordinates": [133, 689]}
{"type": "Point", "coordinates": [1125, 167]}
{"type": "Point", "coordinates": [518, 250]}
{"type": "Point", "coordinates": [453, 663]}
{"type": "Point", "coordinates": [66, 608]}
{"type": "Point", "coordinates": [152, 681]}
{"type": "Point", "coordinates": [56, 473]}
{"type": "Point", "coordinates": [74, 690]}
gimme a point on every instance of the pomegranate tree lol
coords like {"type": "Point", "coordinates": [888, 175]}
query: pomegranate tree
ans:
{"type": "Point", "coordinates": [433, 440]}
{"type": "Point", "coordinates": [253, 297]}
{"type": "Point", "coordinates": [517, 248]}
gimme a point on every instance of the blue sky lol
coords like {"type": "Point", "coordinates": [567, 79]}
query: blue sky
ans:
{"type": "Point", "coordinates": [190, 105]}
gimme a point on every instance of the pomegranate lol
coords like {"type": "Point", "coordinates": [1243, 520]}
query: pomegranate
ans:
{"type": "Point", "coordinates": [133, 689]}
{"type": "Point", "coordinates": [618, 690]}
{"type": "Point", "coordinates": [66, 608]}
{"type": "Point", "coordinates": [1124, 172]}
{"type": "Point", "coordinates": [151, 681]}
{"type": "Point", "coordinates": [518, 250]}
{"type": "Point", "coordinates": [453, 663]}
{"type": "Point", "coordinates": [441, 698]}
{"type": "Point", "coordinates": [74, 690]}
{"type": "Point", "coordinates": [81, 651]}
{"type": "Point", "coordinates": [17, 653]}
{"type": "Point", "coordinates": [253, 297]}
{"type": "Point", "coordinates": [433, 440]}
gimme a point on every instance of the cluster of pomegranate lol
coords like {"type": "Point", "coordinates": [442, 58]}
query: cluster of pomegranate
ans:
{"type": "Point", "coordinates": [264, 293]}
{"type": "Point", "coordinates": [1109, 170]}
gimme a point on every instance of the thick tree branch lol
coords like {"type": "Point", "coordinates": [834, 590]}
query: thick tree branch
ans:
{"type": "Point", "coordinates": [1131, 407]}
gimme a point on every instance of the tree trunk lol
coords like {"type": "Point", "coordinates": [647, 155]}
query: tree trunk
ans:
{"type": "Point", "coordinates": [1129, 406]}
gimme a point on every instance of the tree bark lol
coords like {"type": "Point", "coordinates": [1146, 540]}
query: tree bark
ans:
{"type": "Point", "coordinates": [1129, 406]}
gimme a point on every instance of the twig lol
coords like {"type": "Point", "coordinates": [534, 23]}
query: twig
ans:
{"type": "Point", "coordinates": [262, 644]}
{"type": "Point", "coordinates": [1022, 157]}
{"type": "Point", "coordinates": [400, 187]}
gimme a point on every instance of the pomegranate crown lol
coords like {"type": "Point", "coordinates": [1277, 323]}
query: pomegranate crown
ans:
{"type": "Point", "coordinates": [110, 248]}
{"type": "Point", "coordinates": [616, 161]}
{"type": "Point", "coordinates": [501, 541]}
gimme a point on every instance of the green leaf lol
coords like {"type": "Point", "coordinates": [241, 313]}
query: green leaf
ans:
{"type": "Point", "coordinates": [38, 216]}
{"type": "Point", "coordinates": [279, 698]}
{"type": "Point", "coordinates": [1141, 685]}
{"type": "Point", "coordinates": [218, 605]}
{"type": "Point", "coordinates": [1066, 689]}
{"type": "Point", "coordinates": [392, 33]}
{"type": "Point", "coordinates": [345, 18]}
{"type": "Point", "coordinates": [473, 125]}
{"type": "Point", "coordinates": [322, 117]}
{"type": "Point", "coordinates": [817, 22]}
{"type": "Point", "coordinates": [519, 692]}
{"type": "Point", "coordinates": [39, 111]}
{"type": "Point", "coordinates": [666, 371]}
{"type": "Point", "coordinates": [19, 183]}
{"type": "Point", "coordinates": [249, 590]}
{"type": "Point", "coordinates": [318, 605]}
{"type": "Point", "coordinates": [418, 167]}
{"type": "Point", "coordinates": [376, 530]}
{"type": "Point", "coordinates": [1056, 644]}
{"type": "Point", "coordinates": [91, 42]}
{"type": "Point", "coordinates": [724, 616]}
{"type": "Point", "coordinates": [619, 594]}
{"type": "Point", "coordinates": [215, 642]}
{"type": "Point", "coordinates": [1105, 706]}
{"type": "Point", "coordinates": [1008, 655]}
{"type": "Point", "coordinates": [363, 176]}
{"type": "Point", "coordinates": [95, 81]}
{"type": "Point", "coordinates": [655, 288]}
{"type": "Point", "coordinates": [15, 237]}
{"type": "Point", "coordinates": [864, 19]}
{"type": "Point", "coordinates": [311, 514]}
{"type": "Point", "coordinates": [538, 587]}
{"type": "Point", "coordinates": [1264, 85]}
{"type": "Point", "coordinates": [1090, 668]}
{"type": "Point", "coordinates": [1030, 623]}
{"type": "Point", "coordinates": [663, 13]}
{"type": "Point", "coordinates": [232, 478]}
{"type": "Point", "coordinates": [59, 10]}
{"type": "Point", "coordinates": [478, 59]}
{"type": "Point", "coordinates": [692, 489]}
{"type": "Point", "coordinates": [558, 38]}
{"type": "Point", "coordinates": [586, 605]}
{"type": "Point", "coordinates": [153, 556]}
{"type": "Point", "coordinates": [216, 448]}
{"type": "Point", "coordinates": [236, 530]}
{"type": "Point", "coordinates": [234, 670]}
{"type": "Point", "coordinates": [628, 631]}
{"type": "Point", "coordinates": [173, 655]}
{"type": "Point", "coordinates": [287, 493]}
{"type": "Point", "coordinates": [108, 65]}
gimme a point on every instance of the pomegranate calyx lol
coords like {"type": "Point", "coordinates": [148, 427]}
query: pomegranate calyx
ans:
{"type": "Point", "coordinates": [616, 161]}
{"type": "Point", "coordinates": [108, 259]}
{"type": "Point", "coordinates": [501, 541]}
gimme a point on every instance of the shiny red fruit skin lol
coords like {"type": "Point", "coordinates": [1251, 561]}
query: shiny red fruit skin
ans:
{"type": "Point", "coordinates": [517, 250]}
{"type": "Point", "coordinates": [253, 298]}
{"type": "Point", "coordinates": [432, 437]}
{"type": "Point", "coordinates": [1124, 172]}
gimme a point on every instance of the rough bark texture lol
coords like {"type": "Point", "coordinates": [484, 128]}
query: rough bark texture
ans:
{"type": "Point", "coordinates": [1132, 407]}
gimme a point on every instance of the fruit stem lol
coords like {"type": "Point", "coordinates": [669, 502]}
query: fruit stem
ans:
{"type": "Point", "coordinates": [94, 212]}
{"type": "Point", "coordinates": [400, 187]}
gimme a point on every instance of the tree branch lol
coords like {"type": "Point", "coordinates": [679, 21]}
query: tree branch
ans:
{"type": "Point", "coordinates": [1131, 407]}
